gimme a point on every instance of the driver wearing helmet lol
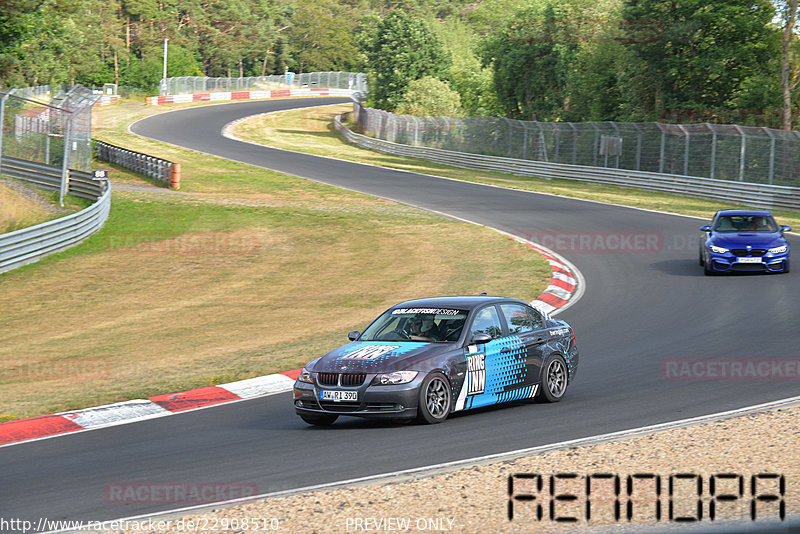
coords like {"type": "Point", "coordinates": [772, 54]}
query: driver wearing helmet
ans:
{"type": "Point", "coordinates": [422, 329]}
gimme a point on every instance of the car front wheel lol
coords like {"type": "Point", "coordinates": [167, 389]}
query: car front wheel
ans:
{"type": "Point", "coordinates": [708, 270]}
{"type": "Point", "coordinates": [554, 381]}
{"type": "Point", "coordinates": [434, 399]}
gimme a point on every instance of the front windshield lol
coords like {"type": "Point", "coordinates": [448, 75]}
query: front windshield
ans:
{"type": "Point", "coordinates": [745, 223]}
{"type": "Point", "coordinates": [438, 325]}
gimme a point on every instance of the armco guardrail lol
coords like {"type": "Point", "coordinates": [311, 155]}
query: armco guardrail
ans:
{"type": "Point", "coordinates": [156, 168]}
{"type": "Point", "coordinates": [81, 184]}
{"type": "Point", "coordinates": [757, 195]}
{"type": "Point", "coordinates": [28, 245]}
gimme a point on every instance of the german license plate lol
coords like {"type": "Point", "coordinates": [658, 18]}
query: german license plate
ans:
{"type": "Point", "coordinates": [338, 396]}
{"type": "Point", "coordinates": [749, 260]}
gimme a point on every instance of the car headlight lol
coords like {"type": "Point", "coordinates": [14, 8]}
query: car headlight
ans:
{"type": "Point", "coordinates": [397, 377]}
{"type": "Point", "coordinates": [305, 376]}
{"type": "Point", "coordinates": [778, 250]}
{"type": "Point", "coordinates": [718, 250]}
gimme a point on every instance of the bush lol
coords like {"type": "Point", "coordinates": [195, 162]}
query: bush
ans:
{"type": "Point", "coordinates": [430, 97]}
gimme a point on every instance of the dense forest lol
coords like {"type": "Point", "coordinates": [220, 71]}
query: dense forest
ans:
{"type": "Point", "coordinates": [564, 60]}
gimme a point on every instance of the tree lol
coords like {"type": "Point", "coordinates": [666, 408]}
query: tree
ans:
{"type": "Point", "coordinates": [147, 71]}
{"type": "Point", "coordinates": [531, 58]}
{"type": "Point", "coordinates": [399, 49]}
{"type": "Point", "coordinates": [429, 97]}
{"type": "Point", "coordinates": [789, 76]}
{"type": "Point", "coordinates": [467, 76]}
{"type": "Point", "coordinates": [321, 33]}
{"type": "Point", "coordinates": [703, 53]}
{"type": "Point", "coordinates": [594, 82]}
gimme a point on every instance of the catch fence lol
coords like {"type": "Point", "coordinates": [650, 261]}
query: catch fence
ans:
{"type": "Point", "coordinates": [57, 133]}
{"type": "Point", "coordinates": [353, 81]}
{"type": "Point", "coordinates": [716, 151]}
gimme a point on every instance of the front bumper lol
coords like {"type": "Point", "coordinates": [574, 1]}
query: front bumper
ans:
{"type": "Point", "coordinates": [391, 402]}
{"type": "Point", "coordinates": [727, 262]}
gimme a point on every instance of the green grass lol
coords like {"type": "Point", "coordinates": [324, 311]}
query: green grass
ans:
{"type": "Point", "coordinates": [19, 211]}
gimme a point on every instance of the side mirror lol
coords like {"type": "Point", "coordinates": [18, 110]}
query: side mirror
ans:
{"type": "Point", "coordinates": [786, 228]}
{"type": "Point", "coordinates": [352, 336]}
{"type": "Point", "coordinates": [480, 339]}
{"type": "Point", "coordinates": [706, 228]}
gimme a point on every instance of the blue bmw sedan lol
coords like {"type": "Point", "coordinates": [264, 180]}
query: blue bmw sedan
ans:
{"type": "Point", "coordinates": [744, 240]}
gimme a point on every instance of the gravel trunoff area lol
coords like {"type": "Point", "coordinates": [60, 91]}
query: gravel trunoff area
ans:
{"type": "Point", "coordinates": [670, 480]}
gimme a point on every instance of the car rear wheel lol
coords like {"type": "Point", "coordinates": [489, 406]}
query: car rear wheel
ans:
{"type": "Point", "coordinates": [554, 381]}
{"type": "Point", "coordinates": [319, 420]}
{"type": "Point", "coordinates": [434, 399]}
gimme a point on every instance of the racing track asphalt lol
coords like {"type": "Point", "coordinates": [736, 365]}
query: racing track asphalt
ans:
{"type": "Point", "coordinates": [639, 311]}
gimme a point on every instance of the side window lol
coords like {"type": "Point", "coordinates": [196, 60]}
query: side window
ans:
{"type": "Point", "coordinates": [521, 319]}
{"type": "Point", "coordinates": [538, 322]}
{"type": "Point", "coordinates": [487, 322]}
{"type": "Point", "coordinates": [517, 318]}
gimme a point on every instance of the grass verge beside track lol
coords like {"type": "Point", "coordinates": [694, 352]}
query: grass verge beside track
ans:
{"type": "Point", "coordinates": [22, 205]}
{"type": "Point", "coordinates": [311, 130]}
{"type": "Point", "coordinates": [244, 273]}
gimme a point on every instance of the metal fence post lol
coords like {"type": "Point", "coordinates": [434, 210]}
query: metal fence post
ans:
{"type": "Point", "coordinates": [685, 150]}
{"type": "Point", "coordinates": [542, 142]}
{"type": "Point", "coordinates": [557, 140]}
{"type": "Point", "coordinates": [62, 191]}
{"type": "Point", "coordinates": [594, 146]}
{"type": "Point", "coordinates": [713, 149]}
{"type": "Point", "coordinates": [524, 142]}
{"type": "Point", "coordinates": [2, 122]}
{"type": "Point", "coordinates": [638, 146]}
{"type": "Point", "coordinates": [574, 143]}
{"type": "Point", "coordinates": [661, 156]}
{"type": "Point", "coordinates": [771, 154]}
{"type": "Point", "coordinates": [510, 138]}
{"type": "Point", "coordinates": [742, 151]}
